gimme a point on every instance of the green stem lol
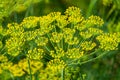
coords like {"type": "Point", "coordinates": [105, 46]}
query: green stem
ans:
{"type": "Point", "coordinates": [29, 12]}
{"type": "Point", "coordinates": [110, 12]}
{"type": "Point", "coordinates": [58, 45]}
{"type": "Point", "coordinates": [47, 48]}
{"type": "Point", "coordinates": [3, 49]}
{"type": "Point", "coordinates": [68, 47]}
{"type": "Point", "coordinates": [11, 76]}
{"type": "Point", "coordinates": [29, 69]}
{"type": "Point", "coordinates": [90, 8]}
{"type": "Point", "coordinates": [62, 43]}
{"type": "Point", "coordinates": [63, 73]}
{"type": "Point", "coordinates": [49, 39]}
{"type": "Point", "coordinates": [81, 43]}
{"type": "Point", "coordinates": [89, 59]}
{"type": "Point", "coordinates": [91, 53]}
{"type": "Point", "coordinates": [85, 56]}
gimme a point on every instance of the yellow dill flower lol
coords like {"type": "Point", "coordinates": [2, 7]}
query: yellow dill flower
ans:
{"type": "Point", "coordinates": [90, 32]}
{"type": "Point", "coordinates": [6, 65]}
{"type": "Point", "coordinates": [35, 53]}
{"type": "Point", "coordinates": [80, 26]}
{"type": "Point", "coordinates": [75, 19]}
{"type": "Point", "coordinates": [74, 53]}
{"type": "Point", "coordinates": [45, 21]}
{"type": "Point", "coordinates": [73, 41]}
{"type": "Point", "coordinates": [56, 40]}
{"type": "Point", "coordinates": [72, 72]}
{"type": "Point", "coordinates": [94, 20]}
{"type": "Point", "coordinates": [30, 35]}
{"type": "Point", "coordinates": [87, 45]}
{"type": "Point", "coordinates": [3, 63]}
{"type": "Point", "coordinates": [95, 31]}
{"type": "Point", "coordinates": [108, 41]}
{"type": "Point", "coordinates": [41, 41]}
{"type": "Point", "coordinates": [54, 15]}
{"type": "Point", "coordinates": [34, 65]}
{"type": "Point", "coordinates": [3, 58]}
{"type": "Point", "coordinates": [56, 37]}
{"type": "Point", "coordinates": [72, 11]}
{"type": "Point", "coordinates": [68, 33]}
{"type": "Point", "coordinates": [14, 45]}
{"type": "Point", "coordinates": [53, 70]}
{"type": "Point", "coordinates": [61, 21]}
{"type": "Point", "coordinates": [14, 29]}
{"type": "Point", "coordinates": [85, 35]}
{"type": "Point", "coordinates": [74, 15]}
{"type": "Point", "coordinates": [46, 27]}
{"type": "Point", "coordinates": [16, 70]}
{"type": "Point", "coordinates": [58, 53]}
{"type": "Point", "coordinates": [30, 22]}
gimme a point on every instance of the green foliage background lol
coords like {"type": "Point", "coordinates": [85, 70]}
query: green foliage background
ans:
{"type": "Point", "coordinates": [106, 68]}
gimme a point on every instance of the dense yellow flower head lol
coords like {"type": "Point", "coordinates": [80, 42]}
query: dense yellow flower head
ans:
{"type": "Point", "coordinates": [30, 22]}
{"type": "Point", "coordinates": [109, 41]}
{"type": "Point", "coordinates": [35, 53]}
{"type": "Point", "coordinates": [74, 53]}
{"type": "Point", "coordinates": [14, 30]}
{"type": "Point", "coordinates": [87, 45]}
{"type": "Point", "coordinates": [34, 65]}
{"type": "Point", "coordinates": [16, 70]}
{"type": "Point", "coordinates": [56, 37]}
{"type": "Point", "coordinates": [53, 70]}
{"type": "Point", "coordinates": [90, 32]}
{"type": "Point", "coordinates": [3, 58]}
{"type": "Point", "coordinates": [58, 53]}
{"type": "Point", "coordinates": [94, 20]}
{"type": "Point", "coordinates": [73, 11]}
{"type": "Point", "coordinates": [14, 45]}
{"type": "Point", "coordinates": [46, 45]}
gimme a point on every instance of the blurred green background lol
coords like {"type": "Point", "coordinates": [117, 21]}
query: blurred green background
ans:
{"type": "Point", "coordinates": [107, 68]}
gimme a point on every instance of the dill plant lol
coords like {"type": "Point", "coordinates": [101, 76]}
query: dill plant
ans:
{"type": "Point", "coordinates": [52, 47]}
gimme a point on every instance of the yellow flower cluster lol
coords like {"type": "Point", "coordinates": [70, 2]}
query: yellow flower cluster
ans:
{"type": "Point", "coordinates": [90, 32]}
{"type": "Point", "coordinates": [56, 37]}
{"type": "Point", "coordinates": [15, 30]}
{"type": "Point", "coordinates": [4, 64]}
{"type": "Point", "coordinates": [21, 68]}
{"type": "Point", "coordinates": [109, 41]}
{"type": "Point", "coordinates": [87, 45]}
{"type": "Point", "coordinates": [34, 65]}
{"type": "Point", "coordinates": [56, 40]}
{"type": "Point", "coordinates": [30, 22]}
{"type": "Point", "coordinates": [94, 20]}
{"type": "Point", "coordinates": [53, 70]}
{"type": "Point", "coordinates": [14, 45]}
{"type": "Point", "coordinates": [58, 54]}
{"type": "Point", "coordinates": [74, 53]}
{"type": "Point", "coordinates": [41, 41]}
{"type": "Point", "coordinates": [73, 11]}
{"type": "Point", "coordinates": [35, 53]}
{"type": "Point", "coordinates": [74, 15]}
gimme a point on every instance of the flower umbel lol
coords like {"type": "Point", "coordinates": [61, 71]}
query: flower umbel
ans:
{"type": "Point", "coordinates": [49, 46]}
